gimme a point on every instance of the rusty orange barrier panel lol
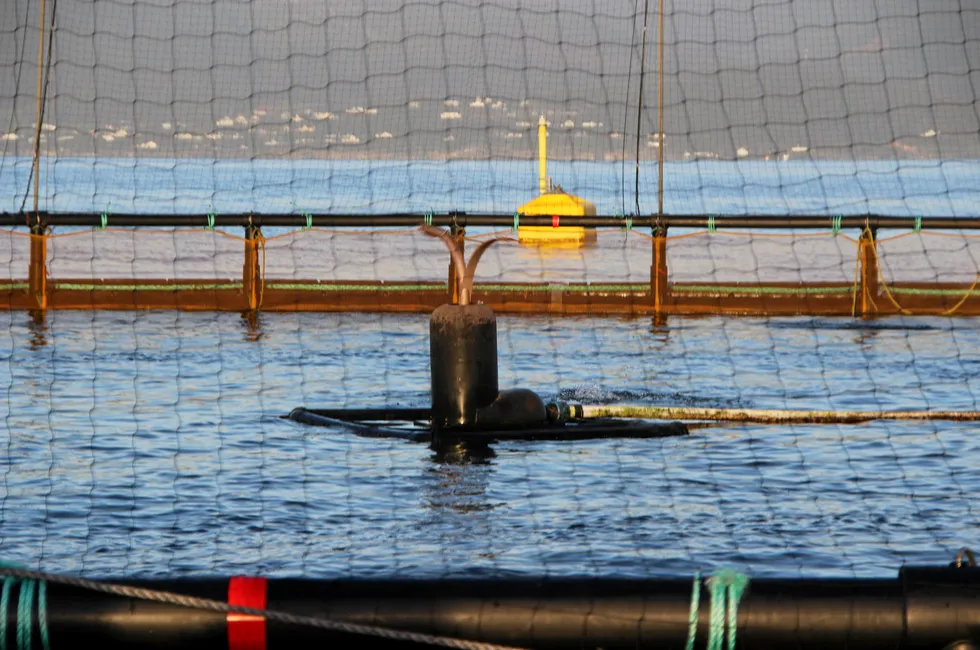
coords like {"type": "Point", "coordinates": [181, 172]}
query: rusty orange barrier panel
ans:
{"type": "Point", "coordinates": [866, 294]}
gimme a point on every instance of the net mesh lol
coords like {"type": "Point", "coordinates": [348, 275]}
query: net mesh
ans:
{"type": "Point", "coordinates": [157, 449]}
{"type": "Point", "coordinates": [148, 441]}
{"type": "Point", "coordinates": [171, 106]}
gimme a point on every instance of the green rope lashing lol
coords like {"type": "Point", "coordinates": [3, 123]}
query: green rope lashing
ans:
{"type": "Point", "coordinates": [835, 224]}
{"type": "Point", "coordinates": [427, 219]}
{"type": "Point", "coordinates": [735, 592]}
{"type": "Point", "coordinates": [711, 223]}
{"type": "Point", "coordinates": [305, 215]}
{"type": "Point", "coordinates": [628, 221]}
{"type": "Point", "coordinates": [726, 588]}
{"type": "Point", "coordinates": [25, 605]}
{"type": "Point", "coordinates": [4, 600]}
{"type": "Point", "coordinates": [42, 614]}
{"type": "Point", "coordinates": [692, 621]}
{"type": "Point", "coordinates": [731, 584]}
{"type": "Point", "coordinates": [716, 634]}
{"type": "Point", "coordinates": [918, 225]}
{"type": "Point", "coordinates": [104, 217]}
{"type": "Point", "coordinates": [210, 225]}
{"type": "Point", "coordinates": [517, 222]}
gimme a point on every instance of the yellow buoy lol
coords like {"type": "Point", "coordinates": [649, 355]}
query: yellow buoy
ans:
{"type": "Point", "coordinates": [554, 202]}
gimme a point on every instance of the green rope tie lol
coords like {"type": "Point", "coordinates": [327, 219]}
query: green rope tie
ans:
{"type": "Point", "coordinates": [918, 225]}
{"type": "Point", "coordinates": [722, 583]}
{"type": "Point", "coordinates": [104, 217]}
{"type": "Point", "coordinates": [517, 221]}
{"type": "Point", "coordinates": [711, 223]}
{"type": "Point", "coordinates": [726, 588]}
{"type": "Point", "coordinates": [210, 226]}
{"type": "Point", "coordinates": [628, 221]}
{"type": "Point", "coordinates": [835, 224]}
{"type": "Point", "coordinates": [42, 614]}
{"type": "Point", "coordinates": [692, 621]}
{"type": "Point", "coordinates": [305, 215]}
{"type": "Point", "coordinates": [4, 599]}
{"type": "Point", "coordinates": [428, 218]}
{"type": "Point", "coordinates": [25, 603]}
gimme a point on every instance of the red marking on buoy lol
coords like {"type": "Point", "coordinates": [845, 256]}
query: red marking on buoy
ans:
{"type": "Point", "coordinates": [554, 221]}
{"type": "Point", "coordinates": [246, 632]}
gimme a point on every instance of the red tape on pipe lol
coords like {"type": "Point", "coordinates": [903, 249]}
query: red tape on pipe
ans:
{"type": "Point", "coordinates": [554, 221]}
{"type": "Point", "coordinates": [246, 632]}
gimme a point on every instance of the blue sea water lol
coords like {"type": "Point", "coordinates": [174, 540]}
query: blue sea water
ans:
{"type": "Point", "coordinates": [141, 185]}
{"type": "Point", "coordinates": [150, 443]}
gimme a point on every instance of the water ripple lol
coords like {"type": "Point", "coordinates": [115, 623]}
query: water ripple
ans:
{"type": "Point", "coordinates": [149, 444]}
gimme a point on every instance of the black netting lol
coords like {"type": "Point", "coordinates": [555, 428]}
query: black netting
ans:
{"type": "Point", "coordinates": [385, 105]}
{"type": "Point", "coordinates": [142, 428]}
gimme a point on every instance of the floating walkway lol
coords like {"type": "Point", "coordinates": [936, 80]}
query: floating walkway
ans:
{"type": "Point", "coordinates": [869, 295]}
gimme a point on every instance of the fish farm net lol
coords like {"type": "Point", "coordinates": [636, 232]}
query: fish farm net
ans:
{"type": "Point", "coordinates": [221, 213]}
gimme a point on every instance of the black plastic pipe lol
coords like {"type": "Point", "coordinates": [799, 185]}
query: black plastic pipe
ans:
{"type": "Point", "coordinates": [463, 363]}
{"type": "Point", "coordinates": [462, 219]}
{"type": "Point", "coordinates": [375, 414]}
{"type": "Point", "coordinates": [922, 608]}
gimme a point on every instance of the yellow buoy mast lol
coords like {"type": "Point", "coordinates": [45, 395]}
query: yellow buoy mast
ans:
{"type": "Point", "coordinates": [553, 201]}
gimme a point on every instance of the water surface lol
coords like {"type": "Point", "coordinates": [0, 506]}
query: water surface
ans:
{"type": "Point", "coordinates": [150, 443]}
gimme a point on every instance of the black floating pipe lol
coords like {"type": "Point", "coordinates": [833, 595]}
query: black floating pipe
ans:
{"type": "Point", "coordinates": [923, 608]}
{"type": "Point", "coordinates": [462, 219]}
{"type": "Point", "coordinates": [362, 428]}
{"type": "Point", "coordinates": [364, 423]}
{"type": "Point", "coordinates": [376, 414]}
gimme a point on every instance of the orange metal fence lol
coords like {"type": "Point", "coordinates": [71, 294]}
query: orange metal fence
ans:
{"type": "Point", "coordinates": [710, 270]}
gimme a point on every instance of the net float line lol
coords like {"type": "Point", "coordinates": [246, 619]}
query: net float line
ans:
{"type": "Point", "coordinates": [463, 220]}
{"type": "Point", "coordinates": [760, 416]}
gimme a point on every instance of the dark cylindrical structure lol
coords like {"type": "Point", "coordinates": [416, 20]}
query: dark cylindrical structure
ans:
{"type": "Point", "coordinates": [463, 358]}
{"type": "Point", "coordinates": [924, 608]}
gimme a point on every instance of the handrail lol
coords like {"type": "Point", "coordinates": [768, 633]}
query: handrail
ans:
{"type": "Point", "coordinates": [463, 219]}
